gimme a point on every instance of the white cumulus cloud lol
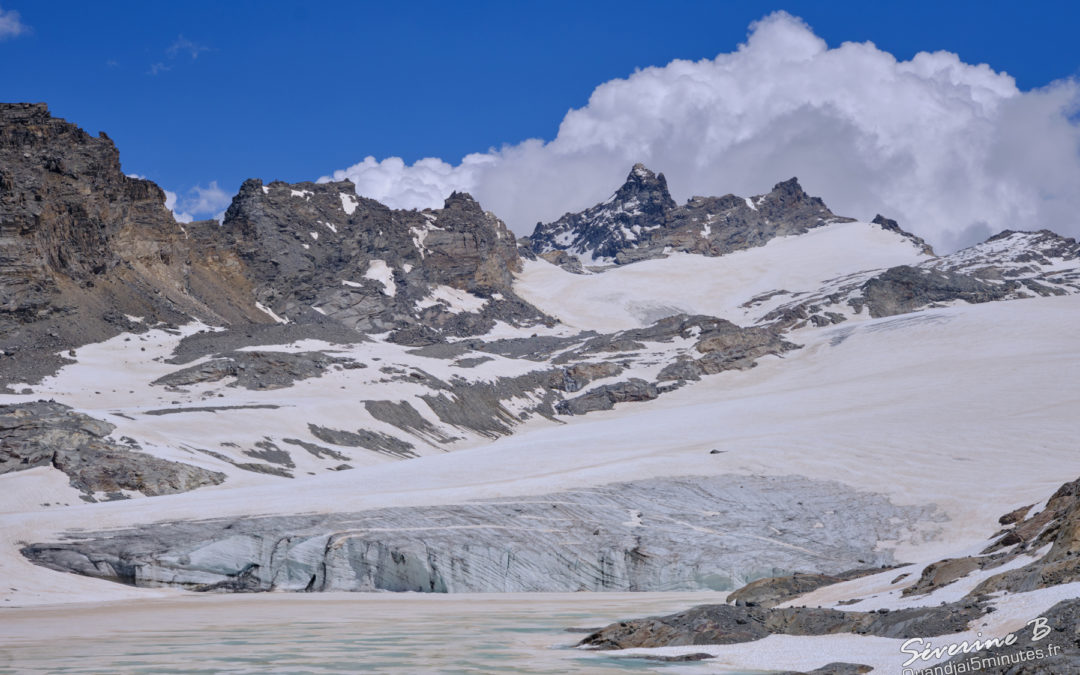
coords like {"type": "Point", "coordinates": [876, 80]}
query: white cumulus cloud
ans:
{"type": "Point", "coordinates": [954, 151]}
{"type": "Point", "coordinates": [11, 24]}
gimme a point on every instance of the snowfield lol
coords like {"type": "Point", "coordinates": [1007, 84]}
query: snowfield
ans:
{"type": "Point", "coordinates": [638, 294]}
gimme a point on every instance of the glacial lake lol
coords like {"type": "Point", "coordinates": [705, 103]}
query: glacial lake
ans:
{"type": "Point", "coordinates": [333, 633]}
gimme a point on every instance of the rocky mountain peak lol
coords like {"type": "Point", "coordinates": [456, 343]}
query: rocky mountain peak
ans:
{"type": "Point", "coordinates": [1051, 243]}
{"type": "Point", "coordinates": [790, 188]}
{"type": "Point", "coordinates": [886, 223]}
{"type": "Point", "coordinates": [1036, 260]}
{"type": "Point", "coordinates": [639, 207]}
{"type": "Point", "coordinates": [318, 252]}
{"type": "Point", "coordinates": [470, 213]}
{"type": "Point", "coordinates": [641, 221]}
{"type": "Point", "coordinates": [82, 245]}
{"type": "Point", "coordinates": [789, 195]}
{"type": "Point", "coordinates": [644, 190]}
{"type": "Point", "coordinates": [463, 198]}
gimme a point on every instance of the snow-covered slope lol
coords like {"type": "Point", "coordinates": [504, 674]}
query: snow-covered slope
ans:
{"type": "Point", "coordinates": [1050, 261]}
{"type": "Point", "coordinates": [911, 427]}
{"type": "Point", "coordinates": [742, 286]}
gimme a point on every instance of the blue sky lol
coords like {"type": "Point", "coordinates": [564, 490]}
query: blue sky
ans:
{"type": "Point", "coordinates": [197, 92]}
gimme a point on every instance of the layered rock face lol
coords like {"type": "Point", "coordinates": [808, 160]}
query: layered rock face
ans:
{"type": "Point", "coordinates": [318, 251]}
{"type": "Point", "coordinates": [87, 252]}
{"type": "Point", "coordinates": [51, 434]}
{"type": "Point", "coordinates": [82, 245]}
{"type": "Point", "coordinates": [642, 221]}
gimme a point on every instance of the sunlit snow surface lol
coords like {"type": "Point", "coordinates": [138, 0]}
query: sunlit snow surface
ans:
{"type": "Point", "coordinates": [638, 294]}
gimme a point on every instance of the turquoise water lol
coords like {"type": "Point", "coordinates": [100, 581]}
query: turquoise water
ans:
{"type": "Point", "coordinates": [332, 633]}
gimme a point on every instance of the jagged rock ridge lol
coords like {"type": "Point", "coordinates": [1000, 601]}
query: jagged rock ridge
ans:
{"type": "Point", "coordinates": [87, 252]}
{"type": "Point", "coordinates": [82, 246]}
{"type": "Point", "coordinates": [318, 252]}
{"type": "Point", "coordinates": [50, 434]}
{"type": "Point", "coordinates": [642, 221]}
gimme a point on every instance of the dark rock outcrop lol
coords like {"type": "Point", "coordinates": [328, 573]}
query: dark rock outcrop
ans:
{"type": "Point", "coordinates": [637, 208]}
{"type": "Point", "coordinates": [1007, 266]}
{"type": "Point", "coordinates": [564, 260]}
{"type": "Point", "coordinates": [641, 221]}
{"type": "Point", "coordinates": [606, 396]}
{"type": "Point", "coordinates": [835, 668]}
{"type": "Point", "coordinates": [1055, 653]}
{"type": "Point", "coordinates": [731, 624]}
{"type": "Point", "coordinates": [890, 225]}
{"type": "Point", "coordinates": [51, 434]}
{"type": "Point", "coordinates": [773, 591]}
{"type": "Point", "coordinates": [364, 438]}
{"type": "Point", "coordinates": [317, 252]}
{"type": "Point", "coordinates": [1056, 525]}
{"type": "Point", "coordinates": [904, 289]}
{"type": "Point", "coordinates": [258, 370]}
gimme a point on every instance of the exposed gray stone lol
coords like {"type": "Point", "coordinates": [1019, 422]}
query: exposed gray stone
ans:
{"type": "Point", "coordinates": [890, 225]}
{"type": "Point", "coordinates": [210, 409]}
{"type": "Point", "coordinates": [472, 362]}
{"type": "Point", "coordinates": [904, 289]}
{"type": "Point", "coordinates": [606, 396]}
{"type": "Point", "coordinates": [1057, 653]}
{"type": "Point", "coordinates": [364, 438]}
{"type": "Point", "coordinates": [731, 624]}
{"type": "Point", "coordinates": [318, 245]}
{"type": "Point", "coordinates": [82, 245]}
{"type": "Point", "coordinates": [268, 451]}
{"type": "Point", "coordinates": [479, 406]}
{"type": "Point", "coordinates": [258, 370]}
{"type": "Point", "coordinates": [773, 591]}
{"type": "Point", "coordinates": [254, 467]}
{"type": "Point", "coordinates": [315, 449]}
{"type": "Point", "coordinates": [402, 415]}
{"type": "Point", "coordinates": [216, 342]}
{"type": "Point", "coordinates": [835, 668]}
{"type": "Point", "coordinates": [564, 260]}
{"type": "Point", "coordinates": [50, 434]}
{"type": "Point", "coordinates": [641, 221]}
{"type": "Point", "coordinates": [638, 207]}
